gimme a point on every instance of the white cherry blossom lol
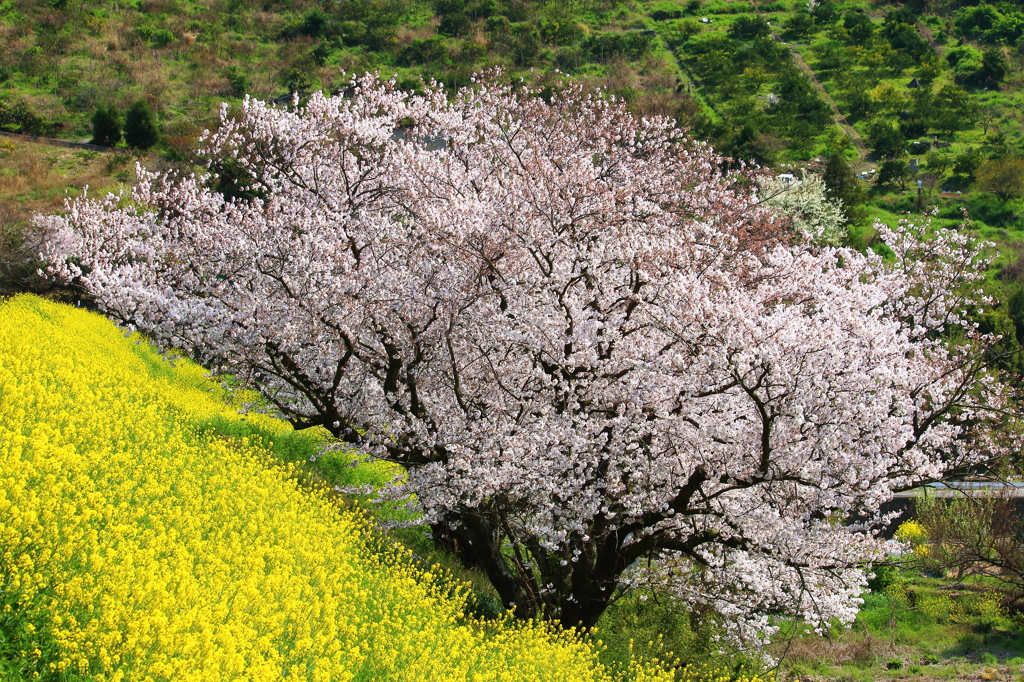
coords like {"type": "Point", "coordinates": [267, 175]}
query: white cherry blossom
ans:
{"type": "Point", "coordinates": [594, 351]}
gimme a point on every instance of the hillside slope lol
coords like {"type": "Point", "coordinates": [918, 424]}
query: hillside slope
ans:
{"type": "Point", "coordinates": [137, 542]}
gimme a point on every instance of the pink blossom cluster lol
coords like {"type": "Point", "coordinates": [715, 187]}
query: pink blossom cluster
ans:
{"type": "Point", "coordinates": [600, 359]}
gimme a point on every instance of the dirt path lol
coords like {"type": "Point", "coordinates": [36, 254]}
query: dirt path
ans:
{"type": "Point", "coordinates": [838, 116]}
{"type": "Point", "coordinates": [57, 143]}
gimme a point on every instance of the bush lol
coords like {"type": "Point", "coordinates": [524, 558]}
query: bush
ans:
{"type": "Point", "coordinates": [298, 79]}
{"type": "Point", "coordinates": [885, 576]}
{"type": "Point", "coordinates": [799, 26]}
{"type": "Point", "coordinates": [156, 37]}
{"type": "Point", "coordinates": [425, 50]}
{"type": "Point", "coordinates": [607, 46]}
{"type": "Point", "coordinates": [19, 118]}
{"type": "Point", "coordinates": [976, 68]}
{"type": "Point", "coordinates": [106, 126]}
{"type": "Point", "coordinates": [315, 23]}
{"type": "Point", "coordinates": [966, 163]}
{"type": "Point", "coordinates": [141, 130]}
{"type": "Point", "coordinates": [455, 25]}
{"type": "Point", "coordinates": [239, 80]}
{"type": "Point", "coordinates": [748, 27]}
{"type": "Point", "coordinates": [887, 139]}
{"type": "Point", "coordinates": [894, 172]}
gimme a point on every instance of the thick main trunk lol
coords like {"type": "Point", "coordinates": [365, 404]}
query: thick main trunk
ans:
{"type": "Point", "coordinates": [478, 545]}
{"type": "Point", "coordinates": [580, 591]}
{"type": "Point", "coordinates": [586, 609]}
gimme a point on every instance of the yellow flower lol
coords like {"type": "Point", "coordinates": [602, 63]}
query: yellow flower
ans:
{"type": "Point", "coordinates": [160, 550]}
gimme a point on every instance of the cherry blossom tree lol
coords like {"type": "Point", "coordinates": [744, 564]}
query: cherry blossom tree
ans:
{"type": "Point", "coordinates": [598, 357]}
{"type": "Point", "coordinates": [815, 216]}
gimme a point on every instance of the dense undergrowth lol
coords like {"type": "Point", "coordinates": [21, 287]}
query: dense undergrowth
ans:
{"type": "Point", "coordinates": [150, 532]}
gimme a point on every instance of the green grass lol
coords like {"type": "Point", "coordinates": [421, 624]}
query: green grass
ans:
{"type": "Point", "coordinates": [918, 624]}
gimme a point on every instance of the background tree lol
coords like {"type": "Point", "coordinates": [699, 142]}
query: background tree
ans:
{"type": "Point", "coordinates": [841, 184]}
{"type": "Point", "coordinates": [887, 139]}
{"type": "Point", "coordinates": [953, 109]}
{"type": "Point", "coordinates": [799, 26]}
{"type": "Point", "coordinates": [1002, 177]}
{"type": "Point", "coordinates": [816, 217]}
{"type": "Point", "coordinates": [106, 126]}
{"type": "Point", "coordinates": [975, 534]}
{"type": "Point", "coordinates": [594, 352]}
{"type": "Point", "coordinates": [967, 162]}
{"type": "Point", "coordinates": [141, 130]}
{"type": "Point", "coordinates": [749, 27]}
{"type": "Point", "coordinates": [894, 172]}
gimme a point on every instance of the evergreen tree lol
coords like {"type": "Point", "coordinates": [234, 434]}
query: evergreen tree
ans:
{"type": "Point", "coordinates": [842, 184]}
{"type": "Point", "coordinates": [106, 126]}
{"type": "Point", "coordinates": [140, 127]}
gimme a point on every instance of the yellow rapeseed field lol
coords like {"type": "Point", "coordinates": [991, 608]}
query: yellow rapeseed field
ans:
{"type": "Point", "coordinates": [138, 545]}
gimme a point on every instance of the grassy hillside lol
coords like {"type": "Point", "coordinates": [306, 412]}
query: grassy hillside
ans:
{"type": "Point", "coordinates": [143, 537]}
{"type": "Point", "coordinates": [916, 91]}
{"type": "Point", "coordinates": [773, 81]}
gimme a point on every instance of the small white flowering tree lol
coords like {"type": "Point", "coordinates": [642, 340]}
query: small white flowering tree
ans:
{"type": "Point", "coordinates": [815, 217]}
{"type": "Point", "coordinates": [587, 344]}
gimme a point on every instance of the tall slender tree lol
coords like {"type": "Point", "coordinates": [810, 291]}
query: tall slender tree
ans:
{"type": "Point", "coordinates": [841, 184]}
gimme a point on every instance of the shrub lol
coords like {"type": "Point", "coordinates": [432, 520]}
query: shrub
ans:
{"type": "Point", "coordinates": [106, 126]}
{"type": "Point", "coordinates": [20, 118]}
{"type": "Point", "coordinates": [238, 79]}
{"type": "Point", "coordinates": [298, 79]}
{"type": "Point", "coordinates": [748, 27]}
{"type": "Point", "coordinates": [914, 534]}
{"type": "Point", "coordinates": [607, 46]}
{"type": "Point", "coordinates": [425, 51]}
{"type": "Point", "coordinates": [140, 127]}
{"type": "Point", "coordinates": [455, 25]}
{"type": "Point", "coordinates": [157, 37]}
{"type": "Point", "coordinates": [885, 577]}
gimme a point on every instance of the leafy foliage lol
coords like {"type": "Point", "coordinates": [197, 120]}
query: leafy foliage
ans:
{"type": "Point", "coordinates": [815, 216]}
{"type": "Point", "coordinates": [141, 130]}
{"type": "Point", "coordinates": [1002, 177]}
{"type": "Point", "coordinates": [106, 126]}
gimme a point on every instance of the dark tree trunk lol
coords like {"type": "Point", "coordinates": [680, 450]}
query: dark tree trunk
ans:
{"type": "Point", "coordinates": [478, 544]}
{"type": "Point", "coordinates": [580, 591]}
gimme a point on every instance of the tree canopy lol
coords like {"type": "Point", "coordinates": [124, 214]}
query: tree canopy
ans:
{"type": "Point", "coordinates": [600, 359]}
